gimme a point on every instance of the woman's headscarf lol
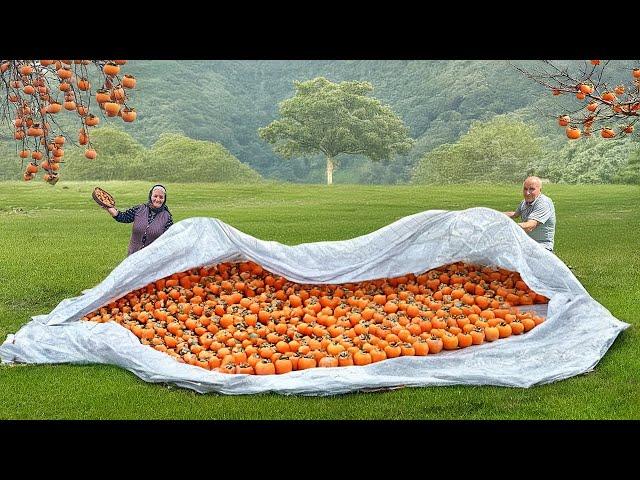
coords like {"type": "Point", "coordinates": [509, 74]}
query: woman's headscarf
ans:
{"type": "Point", "coordinates": [164, 204]}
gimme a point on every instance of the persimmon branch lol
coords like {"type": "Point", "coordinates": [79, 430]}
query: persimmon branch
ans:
{"type": "Point", "coordinates": [613, 110]}
{"type": "Point", "coordinates": [31, 100]}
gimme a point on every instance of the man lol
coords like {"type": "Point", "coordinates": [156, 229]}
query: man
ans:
{"type": "Point", "coordinates": [537, 213]}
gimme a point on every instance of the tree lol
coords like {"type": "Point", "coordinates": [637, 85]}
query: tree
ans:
{"type": "Point", "coordinates": [504, 149]}
{"type": "Point", "coordinates": [592, 160]}
{"type": "Point", "coordinates": [605, 103]}
{"type": "Point", "coordinates": [173, 158]}
{"type": "Point", "coordinates": [333, 119]}
{"type": "Point", "coordinates": [630, 173]}
{"type": "Point", "coordinates": [29, 101]}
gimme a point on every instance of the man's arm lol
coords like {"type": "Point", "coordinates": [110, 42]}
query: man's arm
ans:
{"type": "Point", "coordinates": [529, 226]}
{"type": "Point", "coordinates": [511, 214]}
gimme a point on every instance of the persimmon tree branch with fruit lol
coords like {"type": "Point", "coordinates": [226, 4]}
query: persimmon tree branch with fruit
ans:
{"type": "Point", "coordinates": [34, 92]}
{"type": "Point", "coordinates": [609, 107]}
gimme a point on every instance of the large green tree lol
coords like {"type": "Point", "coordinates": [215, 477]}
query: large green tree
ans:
{"type": "Point", "coordinates": [333, 119]}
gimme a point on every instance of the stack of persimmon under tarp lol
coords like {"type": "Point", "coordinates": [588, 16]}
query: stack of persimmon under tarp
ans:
{"type": "Point", "coordinates": [240, 318]}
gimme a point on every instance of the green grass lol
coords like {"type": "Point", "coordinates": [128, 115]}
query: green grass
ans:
{"type": "Point", "coordinates": [56, 242]}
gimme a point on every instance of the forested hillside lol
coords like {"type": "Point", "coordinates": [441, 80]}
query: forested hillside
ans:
{"type": "Point", "coordinates": [227, 101]}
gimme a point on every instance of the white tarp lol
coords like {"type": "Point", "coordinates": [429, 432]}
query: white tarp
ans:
{"type": "Point", "coordinates": [575, 336]}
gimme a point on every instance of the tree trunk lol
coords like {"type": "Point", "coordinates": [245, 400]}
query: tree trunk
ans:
{"type": "Point", "coordinates": [330, 167]}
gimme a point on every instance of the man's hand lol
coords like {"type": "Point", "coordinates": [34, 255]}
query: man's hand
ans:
{"type": "Point", "coordinates": [510, 214]}
{"type": "Point", "coordinates": [529, 226]}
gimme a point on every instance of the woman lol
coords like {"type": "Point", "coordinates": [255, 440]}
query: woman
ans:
{"type": "Point", "coordinates": [150, 220]}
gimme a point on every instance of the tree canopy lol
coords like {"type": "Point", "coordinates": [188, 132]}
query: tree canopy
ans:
{"type": "Point", "coordinates": [173, 158]}
{"type": "Point", "coordinates": [334, 119]}
{"type": "Point", "coordinates": [504, 149]}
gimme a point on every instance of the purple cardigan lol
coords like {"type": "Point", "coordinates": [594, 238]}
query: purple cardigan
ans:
{"type": "Point", "coordinates": [144, 231]}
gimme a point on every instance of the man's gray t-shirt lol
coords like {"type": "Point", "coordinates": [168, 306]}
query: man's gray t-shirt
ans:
{"type": "Point", "coordinates": [542, 210]}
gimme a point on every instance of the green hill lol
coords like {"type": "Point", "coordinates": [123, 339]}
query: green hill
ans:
{"type": "Point", "coordinates": [173, 158]}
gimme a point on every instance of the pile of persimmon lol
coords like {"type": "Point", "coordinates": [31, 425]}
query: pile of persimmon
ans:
{"type": "Point", "coordinates": [240, 318]}
{"type": "Point", "coordinates": [37, 91]}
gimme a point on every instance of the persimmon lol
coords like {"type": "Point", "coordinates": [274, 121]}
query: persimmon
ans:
{"type": "Point", "coordinates": [283, 365]}
{"type": "Point", "coordinates": [585, 88]}
{"type": "Point", "coordinates": [25, 69]}
{"type": "Point", "coordinates": [91, 120]}
{"type": "Point", "coordinates": [328, 362]}
{"type": "Point", "coordinates": [345, 359]}
{"type": "Point", "coordinates": [253, 359]}
{"type": "Point", "coordinates": [111, 107]}
{"type": "Point", "coordinates": [607, 132]}
{"type": "Point", "coordinates": [245, 368]}
{"type": "Point", "coordinates": [64, 73]}
{"type": "Point", "coordinates": [307, 361]}
{"type": "Point", "coordinates": [128, 81]}
{"type": "Point", "coordinates": [477, 335]}
{"type": "Point", "coordinates": [435, 344]}
{"type": "Point", "coordinates": [393, 350]}
{"type": "Point", "coordinates": [111, 69]}
{"type": "Point", "coordinates": [377, 355]}
{"type": "Point", "coordinates": [517, 327]}
{"type": "Point", "coordinates": [491, 334]}
{"type": "Point", "coordinates": [32, 95]}
{"type": "Point", "coordinates": [361, 358]}
{"type": "Point", "coordinates": [229, 368]}
{"type": "Point", "coordinates": [421, 347]}
{"type": "Point", "coordinates": [504, 329]}
{"type": "Point", "coordinates": [464, 340]}
{"type": "Point", "coordinates": [449, 341]}
{"type": "Point", "coordinates": [83, 84]}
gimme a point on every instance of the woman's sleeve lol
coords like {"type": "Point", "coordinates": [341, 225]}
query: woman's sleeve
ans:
{"type": "Point", "coordinates": [169, 223]}
{"type": "Point", "coordinates": [127, 216]}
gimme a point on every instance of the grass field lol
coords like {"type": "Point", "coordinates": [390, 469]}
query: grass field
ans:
{"type": "Point", "coordinates": [56, 242]}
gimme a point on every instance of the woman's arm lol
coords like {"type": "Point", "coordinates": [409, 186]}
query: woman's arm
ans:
{"type": "Point", "coordinates": [128, 216]}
